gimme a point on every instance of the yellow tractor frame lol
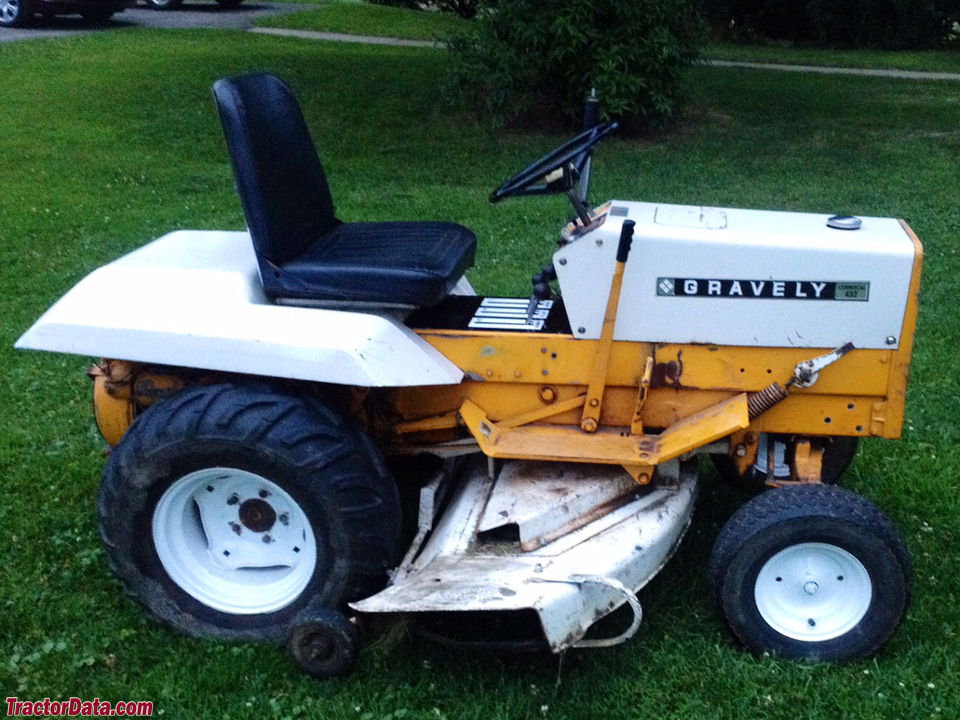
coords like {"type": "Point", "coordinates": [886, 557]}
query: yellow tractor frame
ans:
{"type": "Point", "coordinates": [541, 396]}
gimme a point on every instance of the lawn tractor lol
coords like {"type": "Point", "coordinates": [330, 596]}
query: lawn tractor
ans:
{"type": "Point", "coordinates": [317, 421]}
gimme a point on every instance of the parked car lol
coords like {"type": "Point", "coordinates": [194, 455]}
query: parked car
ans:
{"type": "Point", "coordinates": [16, 13]}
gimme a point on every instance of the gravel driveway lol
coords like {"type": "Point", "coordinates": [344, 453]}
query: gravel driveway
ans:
{"type": "Point", "coordinates": [190, 15]}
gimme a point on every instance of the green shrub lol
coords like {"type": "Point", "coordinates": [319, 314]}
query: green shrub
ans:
{"type": "Point", "coordinates": [894, 24]}
{"type": "Point", "coordinates": [536, 60]}
{"type": "Point", "coordinates": [463, 8]}
{"type": "Point", "coordinates": [412, 4]}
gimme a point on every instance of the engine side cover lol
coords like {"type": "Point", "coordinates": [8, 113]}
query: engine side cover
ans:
{"type": "Point", "coordinates": [194, 299]}
{"type": "Point", "coordinates": [741, 277]}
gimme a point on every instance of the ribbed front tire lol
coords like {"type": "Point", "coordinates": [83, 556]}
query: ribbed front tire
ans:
{"type": "Point", "coordinates": [811, 572]}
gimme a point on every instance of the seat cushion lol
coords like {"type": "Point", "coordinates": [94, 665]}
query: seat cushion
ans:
{"type": "Point", "coordinates": [410, 263]}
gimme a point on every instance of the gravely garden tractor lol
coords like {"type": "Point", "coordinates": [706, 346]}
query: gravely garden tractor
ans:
{"type": "Point", "coordinates": [259, 382]}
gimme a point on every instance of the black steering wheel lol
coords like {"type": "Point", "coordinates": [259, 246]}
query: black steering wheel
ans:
{"type": "Point", "coordinates": [533, 180]}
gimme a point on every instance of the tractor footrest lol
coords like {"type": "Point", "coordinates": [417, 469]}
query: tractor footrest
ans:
{"type": "Point", "coordinates": [606, 446]}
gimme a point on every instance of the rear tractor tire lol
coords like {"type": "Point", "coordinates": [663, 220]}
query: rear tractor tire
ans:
{"type": "Point", "coordinates": [811, 572]}
{"type": "Point", "coordinates": [231, 510]}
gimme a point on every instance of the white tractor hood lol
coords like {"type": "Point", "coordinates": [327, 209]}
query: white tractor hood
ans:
{"type": "Point", "coordinates": [741, 277]}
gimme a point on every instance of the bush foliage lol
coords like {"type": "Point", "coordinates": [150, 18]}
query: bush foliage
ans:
{"type": "Point", "coordinates": [893, 24]}
{"type": "Point", "coordinates": [538, 59]}
{"type": "Point", "coordinates": [463, 8]}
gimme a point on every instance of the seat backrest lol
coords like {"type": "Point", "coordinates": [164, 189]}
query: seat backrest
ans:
{"type": "Point", "coordinates": [281, 183]}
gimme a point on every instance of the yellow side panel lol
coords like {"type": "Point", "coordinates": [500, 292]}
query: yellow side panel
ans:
{"type": "Point", "coordinates": [864, 372]}
{"type": "Point", "coordinates": [508, 371]}
{"type": "Point", "coordinates": [535, 357]}
{"type": "Point", "coordinates": [900, 364]}
{"type": "Point", "coordinates": [562, 360]}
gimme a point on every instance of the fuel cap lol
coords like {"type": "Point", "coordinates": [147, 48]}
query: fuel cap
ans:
{"type": "Point", "coordinates": [844, 222]}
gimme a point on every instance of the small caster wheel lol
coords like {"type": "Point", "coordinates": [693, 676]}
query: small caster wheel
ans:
{"type": "Point", "coordinates": [324, 643]}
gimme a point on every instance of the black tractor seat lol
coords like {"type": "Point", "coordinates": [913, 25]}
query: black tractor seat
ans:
{"type": "Point", "coordinates": [305, 254]}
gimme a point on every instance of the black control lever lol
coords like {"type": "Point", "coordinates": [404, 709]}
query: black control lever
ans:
{"type": "Point", "coordinates": [626, 240]}
{"type": "Point", "coordinates": [541, 288]}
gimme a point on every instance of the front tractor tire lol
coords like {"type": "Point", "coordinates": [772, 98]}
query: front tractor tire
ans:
{"type": "Point", "coordinates": [230, 510]}
{"type": "Point", "coordinates": [811, 572]}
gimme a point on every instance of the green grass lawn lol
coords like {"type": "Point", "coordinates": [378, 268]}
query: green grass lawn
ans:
{"type": "Point", "coordinates": [355, 18]}
{"type": "Point", "coordinates": [101, 154]}
{"type": "Point", "coordinates": [932, 60]}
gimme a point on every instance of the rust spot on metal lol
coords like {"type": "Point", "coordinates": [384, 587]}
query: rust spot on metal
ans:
{"type": "Point", "coordinates": [118, 376]}
{"type": "Point", "coordinates": [668, 374]}
{"type": "Point", "coordinates": [578, 522]}
{"type": "Point", "coordinates": [150, 388]}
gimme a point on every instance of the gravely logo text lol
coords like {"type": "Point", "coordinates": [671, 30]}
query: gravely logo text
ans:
{"type": "Point", "coordinates": [764, 289]}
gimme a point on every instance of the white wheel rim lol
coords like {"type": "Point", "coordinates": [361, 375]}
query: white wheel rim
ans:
{"type": "Point", "coordinates": [813, 592]}
{"type": "Point", "coordinates": [9, 10]}
{"type": "Point", "coordinates": [234, 541]}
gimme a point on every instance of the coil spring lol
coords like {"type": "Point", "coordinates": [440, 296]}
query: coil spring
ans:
{"type": "Point", "coordinates": [759, 402]}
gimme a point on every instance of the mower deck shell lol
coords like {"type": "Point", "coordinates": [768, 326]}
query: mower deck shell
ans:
{"type": "Point", "coordinates": [629, 544]}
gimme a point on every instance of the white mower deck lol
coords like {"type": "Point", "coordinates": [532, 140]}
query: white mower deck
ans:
{"type": "Point", "coordinates": [570, 582]}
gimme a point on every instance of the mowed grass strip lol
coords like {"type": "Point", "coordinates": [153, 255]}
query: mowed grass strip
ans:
{"type": "Point", "coordinates": [101, 154]}
{"type": "Point", "coordinates": [355, 18]}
